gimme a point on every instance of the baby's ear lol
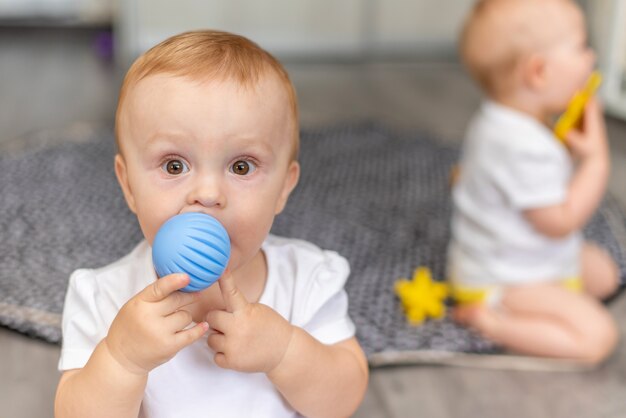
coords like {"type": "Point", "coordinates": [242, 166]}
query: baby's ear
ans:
{"type": "Point", "coordinates": [291, 180]}
{"type": "Point", "coordinates": [122, 177]}
{"type": "Point", "coordinates": [534, 71]}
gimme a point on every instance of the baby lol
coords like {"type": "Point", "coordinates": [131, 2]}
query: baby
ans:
{"type": "Point", "coordinates": [207, 122]}
{"type": "Point", "coordinates": [520, 270]}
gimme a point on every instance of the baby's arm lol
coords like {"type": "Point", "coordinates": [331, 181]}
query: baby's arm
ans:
{"type": "Point", "coordinates": [322, 380]}
{"type": "Point", "coordinates": [145, 333]}
{"type": "Point", "coordinates": [103, 388]}
{"type": "Point", "coordinates": [588, 184]}
{"type": "Point", "coordinates": [315, 379]}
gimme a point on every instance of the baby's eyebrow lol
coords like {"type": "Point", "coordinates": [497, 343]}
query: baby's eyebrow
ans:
{"type": "Point", "coordinates": [253, 144]}
{"type": "Point", "coordinates": [243, 144]}
{"type": "Point", "coordinates": [159, 138]}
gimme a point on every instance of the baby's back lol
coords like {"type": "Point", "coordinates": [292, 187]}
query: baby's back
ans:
{"type": "Point", "coordinates": [510, 163]}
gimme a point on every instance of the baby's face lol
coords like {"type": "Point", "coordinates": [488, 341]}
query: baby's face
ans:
{"type": "Point", "coordinates": [569, 59]}
{"type": "Point", "coordinates": [213, 147]}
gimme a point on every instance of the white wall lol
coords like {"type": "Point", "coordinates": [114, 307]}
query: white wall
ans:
{"type": "Point", "coordinates": [282, 25]}
{"type": "Point", "coordinates": [300, 27]}
{"type": "Point", "coordinates": [348, 28]}
{"type": "Point", "coordinates": [420, 26]}
{"type": "Point", "coordinates": [86, 11]}
{"type": "Point", "coordinates": [607, 19]}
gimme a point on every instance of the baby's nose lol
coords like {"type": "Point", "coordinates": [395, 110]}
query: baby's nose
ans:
{"type": "Point", "coordinates": [206, 191]}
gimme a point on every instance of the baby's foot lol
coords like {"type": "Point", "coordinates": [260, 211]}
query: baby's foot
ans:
{"type": "Point", "coordinates": [480, 318]}
{"type": "Point", "coordinates": [467, 315]}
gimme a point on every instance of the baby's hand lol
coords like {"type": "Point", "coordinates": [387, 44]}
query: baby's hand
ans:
{"type": "Point", "coordinates": [248, 337]}
{"type": "Point", "coordinates": [591, 140]}
{"type": "Point", "coordinates": [150, 328]}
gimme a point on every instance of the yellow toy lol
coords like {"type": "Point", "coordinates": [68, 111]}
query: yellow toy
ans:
{"type": "Point", "coordinates": [572, 117]}
{"type": "Point", "coordinates": [422, 297]}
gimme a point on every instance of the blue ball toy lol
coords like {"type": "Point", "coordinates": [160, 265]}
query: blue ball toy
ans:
{"type": "Point", "coordinates": [192, 243]}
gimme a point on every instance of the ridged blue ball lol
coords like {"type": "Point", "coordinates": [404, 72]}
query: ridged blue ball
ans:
{"type": "Point", "coordinates": [192, 243]}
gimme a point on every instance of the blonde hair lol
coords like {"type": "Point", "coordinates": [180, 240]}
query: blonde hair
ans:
{"type": "Point", "coordinates": [211, 55]}
{"type": "Point", "coordinates": [497, 34]}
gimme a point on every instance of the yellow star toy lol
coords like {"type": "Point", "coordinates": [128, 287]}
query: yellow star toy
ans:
{"type": "Point", "coordinates": [422, 297]}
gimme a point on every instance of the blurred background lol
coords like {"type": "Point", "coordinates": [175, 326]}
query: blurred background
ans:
{"type": "Point", "coordinates": [392, 61]}
{"type": "Point", "coordinates": [62, 60]}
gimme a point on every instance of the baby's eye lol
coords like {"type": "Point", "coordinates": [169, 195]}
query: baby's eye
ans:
{"type": "Point", "coordinates": [175, 167]}
{"type": "Point", "coordinates": [243, 167]}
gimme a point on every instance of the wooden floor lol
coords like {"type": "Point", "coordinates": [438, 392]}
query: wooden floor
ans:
{"type": "Point", "coordinates": [51, 79]}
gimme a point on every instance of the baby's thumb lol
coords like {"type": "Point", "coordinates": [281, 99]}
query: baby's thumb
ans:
{"type": "Point", "coordinates": [574, 140]}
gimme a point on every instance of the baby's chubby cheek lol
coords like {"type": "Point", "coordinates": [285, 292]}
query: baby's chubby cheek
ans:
{"type": "Point", "coordinates": [150, 228]}
{"type": "Point", "coordinates": [245, 244]}
{"type": "Point", "coordinates": [238, 258]}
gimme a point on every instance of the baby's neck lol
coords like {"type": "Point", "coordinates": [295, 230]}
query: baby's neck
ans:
{"type": "Point", "coordinates": [525, 105]}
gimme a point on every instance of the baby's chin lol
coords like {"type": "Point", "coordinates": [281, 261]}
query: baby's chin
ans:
{"type": "Point", "coordinates": [557, 109]}
{"type": "Point", "coordinates": [246, 263]}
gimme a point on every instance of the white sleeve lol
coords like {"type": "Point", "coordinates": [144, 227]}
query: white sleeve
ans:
{"type": "Point", "coordinates": [82, 326]}
{"type": "Point", "coordinates": [531, 178]}
{"type": "Point", "coordinates": [322, 302]}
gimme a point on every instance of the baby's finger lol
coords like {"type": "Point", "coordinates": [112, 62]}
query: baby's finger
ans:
{"type": "Point", "coordinates": [163, 287]}
{"type": "Point", "coordinates": [178, 320]}
{"type": "Point", "coordinates": [593, 122]}
{"type": "Point", "coordinates": [234, 299]}
{"type": "Point", "coordinates": [221, 360]}
{"type": "Point", "coordinates": [594, 105]}
{"type": "Point", "coordinates": [574, 138]}
{"type": "Point", "coordinates": [218, 320]}
{"type": "Point", "coordinates": [191, 335]}
{"type": "Point", "coordinates": [178, 300]}
{"type": "Point", "coordinates": [217, 342]}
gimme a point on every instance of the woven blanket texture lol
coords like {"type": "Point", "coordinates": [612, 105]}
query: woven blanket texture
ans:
{"type": "Point", "coordinates": [378, 197]}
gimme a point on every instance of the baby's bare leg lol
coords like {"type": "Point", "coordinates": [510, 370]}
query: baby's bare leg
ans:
{"type": "Point", "coordinates": [600, 273]}
{"type": "Point", "coordinates": [547, 320]}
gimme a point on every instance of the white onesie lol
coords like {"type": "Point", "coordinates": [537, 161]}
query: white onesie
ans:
{"type": "Point", "coordinates": [510, 163]}
{"type": "Point", "coordinates": [304, 285]}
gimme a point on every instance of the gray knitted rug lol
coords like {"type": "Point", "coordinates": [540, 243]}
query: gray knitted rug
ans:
{"type": "Point", "coordinates": [378, 197]}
